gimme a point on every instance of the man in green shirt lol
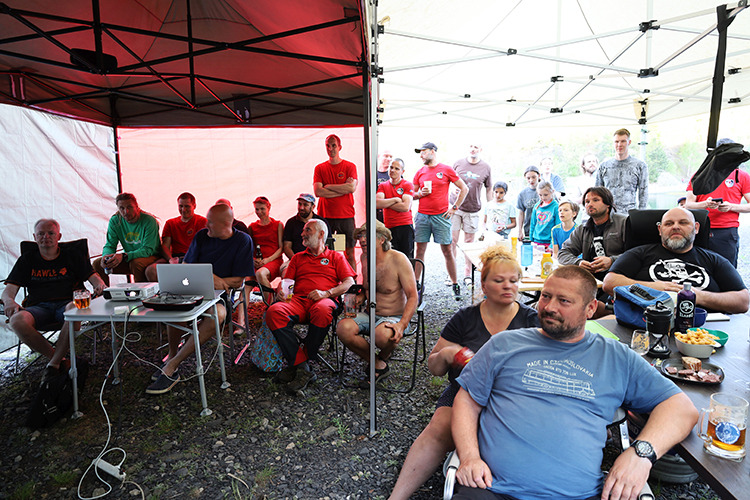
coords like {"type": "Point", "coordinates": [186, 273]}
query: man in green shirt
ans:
{"type": "Point", "coordinates": [137, 232]}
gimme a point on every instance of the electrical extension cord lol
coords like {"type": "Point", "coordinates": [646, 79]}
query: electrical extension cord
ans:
{"type": "Point", "coordinates": [110, 469]}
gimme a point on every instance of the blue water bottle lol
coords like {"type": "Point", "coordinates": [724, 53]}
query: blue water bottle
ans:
{"type": "Point", "coordinates": [527, 253]}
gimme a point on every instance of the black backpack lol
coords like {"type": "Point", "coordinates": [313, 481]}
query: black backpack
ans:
{"type": "Point", "coordinates": [55, 397]}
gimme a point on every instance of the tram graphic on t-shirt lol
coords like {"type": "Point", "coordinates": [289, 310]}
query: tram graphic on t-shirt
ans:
{"type": "Point", "coordinates": [675, 270]}
{"type": "Point", "coordinates": [561, 377]}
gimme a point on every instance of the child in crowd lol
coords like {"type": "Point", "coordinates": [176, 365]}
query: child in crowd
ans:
{"type": "Point", "coordinates": [568, 211]}
{"type": "Point", "coordinates": [544, 216]}
{"type": "Point", "coordinates": [500, 214]}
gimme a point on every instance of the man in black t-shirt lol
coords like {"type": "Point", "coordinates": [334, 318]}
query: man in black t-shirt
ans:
{"type": "Point", "coordinates": [50, 273]}
{"type": "Point", "coordinates": [716, 283]}
{"type": "Point", "coordinates": [291, 239]}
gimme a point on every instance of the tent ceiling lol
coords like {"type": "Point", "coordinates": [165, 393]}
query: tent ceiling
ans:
{"type": "Point", "coordinates": [186, 62]}
{"type": "Point", "coordinates": [449, 64]}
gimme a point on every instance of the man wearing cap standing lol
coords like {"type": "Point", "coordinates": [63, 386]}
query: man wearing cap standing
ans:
{"type": "Point", "coordinates": [334, 182]}
{"type": "Point", "coordinates": [475, 172]}
{"type": "Point", "coordinates": [431, 184]}
{"type": "Point", "coordinates": [527, 199]}
{"type": "Point", "coordinates": [291, 238]}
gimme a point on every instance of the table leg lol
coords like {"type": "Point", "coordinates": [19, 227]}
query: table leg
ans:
{"type": "Point", "coordinates": [199, 370]}
{"type": "Point", "coordinates": [73, 368]}
{"type": "Point", "coordinates": [473, 270]}
{"type": "Point", "coordinates": [116, 368]}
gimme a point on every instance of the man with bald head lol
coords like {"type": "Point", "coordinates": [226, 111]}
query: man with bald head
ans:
{"type": "Point", "coordinates": [667, 266]}
{"type": "Point", "coordinates": [230, 252]}
{"type": "Point", "coordinates": [320, 274]}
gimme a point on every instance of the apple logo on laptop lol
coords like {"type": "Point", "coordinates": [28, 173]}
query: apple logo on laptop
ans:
{"type": "Point", "coordinates": [186, 282]}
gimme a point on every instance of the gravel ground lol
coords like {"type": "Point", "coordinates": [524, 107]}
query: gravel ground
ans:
{"type": "Point", "coordinates": [259, 442]}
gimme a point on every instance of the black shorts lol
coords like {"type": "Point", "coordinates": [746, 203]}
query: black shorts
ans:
{"type": "Point", "coordinates": [403, 239]}
{"type": "Point", "coordinates": [343, 226]}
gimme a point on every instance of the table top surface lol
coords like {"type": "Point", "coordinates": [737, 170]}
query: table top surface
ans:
{"type": "Point", "coordinates": [729, 479]}
{"type": "Point", "coordinates": [102, 309]}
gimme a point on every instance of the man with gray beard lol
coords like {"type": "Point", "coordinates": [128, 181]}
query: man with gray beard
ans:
{"type": "Point", "coordinates": [716, 283]}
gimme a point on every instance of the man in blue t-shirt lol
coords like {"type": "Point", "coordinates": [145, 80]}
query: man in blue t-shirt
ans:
{"type": "Point", "coordinates": [230, 252]}
{"type": "Point", "coordinates": [547, 394]}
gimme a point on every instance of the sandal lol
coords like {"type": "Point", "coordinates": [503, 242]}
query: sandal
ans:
{"type": "Point", "coordinates": [380, 374]}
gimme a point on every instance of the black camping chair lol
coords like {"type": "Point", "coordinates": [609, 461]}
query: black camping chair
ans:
{"type": "Point", "coordinates": [640, 227]}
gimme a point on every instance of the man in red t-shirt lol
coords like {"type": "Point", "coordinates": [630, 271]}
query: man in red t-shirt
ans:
{"type": "Point", "coordinates": [334, 182]}
{"type": "Point", "coordinates": [178, 233]}
{"type": "Point", "coordinates": [394, 197]}
{"type": "Point", "coordinates": [724, 207]}
{"type": "Point", "coordinates": [319, 274]}
{"type": "Point", "coordinates": [431, 184]}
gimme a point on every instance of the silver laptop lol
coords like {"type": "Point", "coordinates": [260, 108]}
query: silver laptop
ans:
{"type": "Point", "coordinates": [186, 279]}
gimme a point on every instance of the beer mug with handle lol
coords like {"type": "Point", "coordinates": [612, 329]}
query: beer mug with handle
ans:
{"type": "Point", "coordinates": [727, 425]}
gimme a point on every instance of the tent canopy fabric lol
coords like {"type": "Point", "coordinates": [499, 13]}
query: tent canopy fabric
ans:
{"type": "Point", "coordinates": [558, 63]}
{"type": "Point", "coordinates": [180, 62]}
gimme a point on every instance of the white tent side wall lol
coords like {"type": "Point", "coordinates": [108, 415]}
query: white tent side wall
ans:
{"type": "Point", "coordinates": [52, 166]}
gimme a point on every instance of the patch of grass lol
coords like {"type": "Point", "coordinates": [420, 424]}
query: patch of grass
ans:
{"type": "Point", "coordinates": [24, 491]}
{"type": "Point", "coordinates": [263, 477]}
{"type": "Point", "coordinates": [341, 428]}
{"type": "Point", "coordinates": [437, 381]}
{"type": "Point", "coordinates": [64, 478]}
{"type": "Point", "coordinates": [168, 423]}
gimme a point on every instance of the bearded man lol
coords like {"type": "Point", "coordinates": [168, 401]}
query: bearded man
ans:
{"type": "Point", "coordinates": [676, 261]}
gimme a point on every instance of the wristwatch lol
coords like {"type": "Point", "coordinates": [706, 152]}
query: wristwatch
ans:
{"type": "Point", "coordinates": [644, 450]}
{"type": "Point", "coordinates": [455, 207]}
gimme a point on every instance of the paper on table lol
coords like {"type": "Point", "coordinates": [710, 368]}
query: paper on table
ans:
{"type": "Point", "coordinates": [595, 327]}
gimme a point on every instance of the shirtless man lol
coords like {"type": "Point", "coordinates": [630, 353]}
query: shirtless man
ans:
{"type": "Point", "coordinates": [396, 302]}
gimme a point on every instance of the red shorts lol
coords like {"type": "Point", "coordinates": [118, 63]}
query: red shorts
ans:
{"type": "Point", "coordinates": [273, 268]}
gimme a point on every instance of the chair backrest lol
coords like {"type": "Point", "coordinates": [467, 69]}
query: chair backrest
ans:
{"type": "Point", "coordinates": [640, 227]}
{"type": "Point", "coordinates": [419, 264]}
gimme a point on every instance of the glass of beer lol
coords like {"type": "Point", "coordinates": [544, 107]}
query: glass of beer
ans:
{"type": "Point", "coordinates": [727, 426]}
{"type": "Point", "coordinates": [350, 305]}
{"type": "Point", "coordinates": [82, 298]}
{"type": "Point", "coordinates": [639, 341]}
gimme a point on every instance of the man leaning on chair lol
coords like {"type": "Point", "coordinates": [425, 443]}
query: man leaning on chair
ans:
{"type": "Point", "coordinates": [554, 390]}
{"type": "Point", "coordinates": [50, 273]}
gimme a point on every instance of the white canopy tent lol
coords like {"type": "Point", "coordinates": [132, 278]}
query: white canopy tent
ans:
{"type": "Point", "coordinates": [565, 63]}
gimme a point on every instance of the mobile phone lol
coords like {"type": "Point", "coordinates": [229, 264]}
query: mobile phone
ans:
{"type": "Point", "coordinates": [718, 200]}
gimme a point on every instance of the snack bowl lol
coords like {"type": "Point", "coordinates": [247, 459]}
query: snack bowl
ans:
{"type": "Point", "coordinates": [722, 336]}
{"type": "Point", "coordinates": [694, 350]}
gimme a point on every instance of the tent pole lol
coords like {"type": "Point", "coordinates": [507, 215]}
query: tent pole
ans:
{"type": "Point", "coordinates": [369, 105]}
{"type": "Point", "coordinates": [115, 121]}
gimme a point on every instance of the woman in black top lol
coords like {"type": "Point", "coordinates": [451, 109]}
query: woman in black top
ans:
{"type": "Point", "coordinates": [470, 327]}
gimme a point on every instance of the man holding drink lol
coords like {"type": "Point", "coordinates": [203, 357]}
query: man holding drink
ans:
{"type": "Point", "coordinates": [319, 275]}
{"type": "Point", "coordinates": [50, 274]}
{"type": "Point", "coordinates": [396, 301]}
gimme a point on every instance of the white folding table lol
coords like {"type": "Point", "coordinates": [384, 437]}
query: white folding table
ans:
{"type": "Point", "coordinates": [102, 311]}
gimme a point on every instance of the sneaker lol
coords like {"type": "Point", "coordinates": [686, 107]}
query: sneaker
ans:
{"type": "Point", "coordinates": [163, 384]}
{"type": "Point", "coordinates": [301, 379]}
{"type": "Point", "coordinates": [286, 375]}
{"type": "Point", "coordinates": [155, 376]}
{"type": "Point", "coordinates": [456, 291]}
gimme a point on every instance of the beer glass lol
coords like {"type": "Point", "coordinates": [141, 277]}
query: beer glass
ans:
{"type": "Point", "coordinates": [727, 424]}
{"type": "Point", "coordinates": [639, 341]}
{"type": "Point", "coordinates": [350, 305]}
{"type": "Point", "coordinates": [82, 298]}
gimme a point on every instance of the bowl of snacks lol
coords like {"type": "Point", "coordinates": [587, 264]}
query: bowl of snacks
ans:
{"type": "Point", "coordinates": [696, 342]}
{"type": "Point", "coordinates": [719, 336]}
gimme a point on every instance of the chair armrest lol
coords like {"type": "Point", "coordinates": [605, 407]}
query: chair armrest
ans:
{"type": "Point", "coordinates": [449, 470]}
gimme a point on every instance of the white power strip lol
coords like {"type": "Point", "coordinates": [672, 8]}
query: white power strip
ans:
{"type": "Point", "coordinates": [110, 469]}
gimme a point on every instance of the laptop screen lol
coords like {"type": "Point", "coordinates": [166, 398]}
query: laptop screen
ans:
{"type": "Point", "coordinates": [186, 279]}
